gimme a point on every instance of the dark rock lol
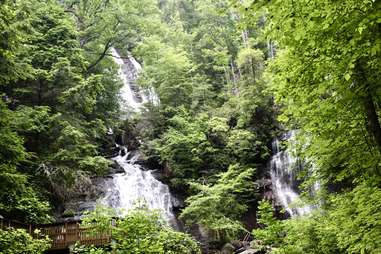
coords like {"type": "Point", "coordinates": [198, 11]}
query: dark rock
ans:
{"type": "Point", "coordinates": [205, 237]}
{"type": "Point", "coordinates": [116, 168]}
{"type": "Point", "coordinates": [249, 219]}
{"type": "Point", "coordinates": [167, 171]}
{"type": "Point", "coordinates": [177, 202]}
{"type": "Point", "coordinates": [122, 152]}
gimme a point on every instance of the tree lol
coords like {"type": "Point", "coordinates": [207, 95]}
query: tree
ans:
{"type": "Point", "coordinates": [271, 229]}
{"type": "Point", "coordinates": [14, 35]}
{"type": "Point", "coordinates": [324, 81]}
{"type": "Point", "coordinates": [141, 231]}
{"type": "Point", "coordinates": [215, 42]}
{"type": "Point", "coordinates": [250, 61]}
{"type": "Point", "coordinates": [105, 24]}
{"type": "Point", "coordinates": [168, 70]}
{"type": "Point", "coordinates": [56, 111]}
{"type": "Point", "coordinates": [17, 198]}
{"type": "Point", "coordinates": [218, 207]}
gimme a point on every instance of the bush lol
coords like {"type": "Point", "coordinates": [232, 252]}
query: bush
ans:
{"type": "Point", "coordinates": [18, 241]}
{"type": "Point", "coordinates": [140, 232]}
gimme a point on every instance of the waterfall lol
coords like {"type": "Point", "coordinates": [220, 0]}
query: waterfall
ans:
{"type": "Point", "coordinates": [283, 171]}
{"type": "Point", "coordinates": [128, 73]}
{"type": "Point", "coordinates": [271, 49]}
{"type": "Point", "coordinates": [133, 97]}
{"type": "Point", "coordinates": [136, 186]}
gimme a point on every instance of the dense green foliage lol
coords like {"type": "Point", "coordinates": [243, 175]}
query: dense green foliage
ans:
{"type": "Point", "coordinates": [57, 108]}
{"type": "Point", "coordinates": [18, 241]}
{"type": "Point", "coordinates": [272, 234]}
{"type": "Point", "coordinates": [141, 231]}
{"type": "Point", "coordinates": [225, 72]}
{"type": "Point", "coordinates": [17, 198]}
{"type": "Point", "coordinates": [333, 83]}
{"type": "Point", "coordinates": [326, 80]}
{"type": "Point", "coordinates": [219, 207]}
{"type": "Point", "coordinates": [214, 111]}
{"type": "Point", "coordinates": [59, 90]}
{"type": "Point", "coordinates": [351, 224]}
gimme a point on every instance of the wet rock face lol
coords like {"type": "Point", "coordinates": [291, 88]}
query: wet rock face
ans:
{"type": "Point", "coordinates": [85, 198]}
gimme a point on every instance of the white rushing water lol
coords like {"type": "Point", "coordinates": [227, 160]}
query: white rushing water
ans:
{"type": "Point", "coordinates": [128, 73]}
{"type": "Point", "coordinates": [133, 96]}
{"type": "Point", "coordinates": [271, 49]}
{"type": "Point", "coordinates": [283, 170]}
{"type": "Point", "coordinates": [136, 186]}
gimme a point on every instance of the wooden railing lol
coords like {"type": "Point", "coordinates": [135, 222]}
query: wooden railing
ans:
{"type": "Point", "coordinates": [63, 235]}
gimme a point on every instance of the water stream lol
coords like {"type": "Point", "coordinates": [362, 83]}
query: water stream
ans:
{"type": "Point", "coordinates": [283, 171]}
{"type": "Point", "coordinates": [136, 186]}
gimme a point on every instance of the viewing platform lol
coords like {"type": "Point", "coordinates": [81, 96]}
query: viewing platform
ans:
{"type": "Point", "coordinates": [63, 235]}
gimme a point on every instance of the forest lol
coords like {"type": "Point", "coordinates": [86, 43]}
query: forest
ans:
{"type": "Point", "coordinates": [191, 126]}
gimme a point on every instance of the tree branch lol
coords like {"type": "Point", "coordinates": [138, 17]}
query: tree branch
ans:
{"type": "Point", "coordinates": [102, 55]}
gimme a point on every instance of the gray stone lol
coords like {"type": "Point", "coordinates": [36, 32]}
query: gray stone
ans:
{"type": "Point", "coordinates": [249, 251]}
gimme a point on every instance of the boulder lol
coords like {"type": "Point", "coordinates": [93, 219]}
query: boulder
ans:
{"type": "Point", "coordinates": [228, 249]}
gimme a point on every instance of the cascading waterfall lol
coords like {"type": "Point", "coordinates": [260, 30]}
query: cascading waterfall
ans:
{"type": "Point", "coordinates": [136, 186]}
{"type": "Point", "coordinates": [133, 97]}
{"type": "Point", "coordinates": [128, 73]}
{"type": "Point", "coordinates": [283, 170]}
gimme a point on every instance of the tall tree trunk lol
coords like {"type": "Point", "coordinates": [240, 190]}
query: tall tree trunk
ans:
{"type": "Point", "coordinates": [372, 119]}
{"type": "Point", "coordinates": [374, 127]}
{"type": "Point", "coordinates": [39, 93]}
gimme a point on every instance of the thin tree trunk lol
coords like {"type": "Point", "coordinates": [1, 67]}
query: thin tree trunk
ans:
{"type": "Point", "coordinates": [252, 68]}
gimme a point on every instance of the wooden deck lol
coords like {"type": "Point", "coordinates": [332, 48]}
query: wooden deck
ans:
{"type": "Point", "coordinates": [63, 235]}
{"type": "Point", "coordinates": [67, 234]}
